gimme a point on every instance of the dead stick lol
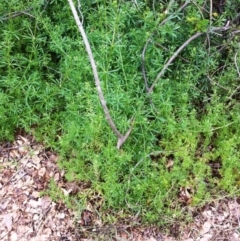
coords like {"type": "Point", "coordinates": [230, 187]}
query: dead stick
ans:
{"type": "Point", "coordinates": [172, 58]}
{"type": "Point", "coordinates": [121, 138]}
{"type": "Point", "coordinates": [150, 38]}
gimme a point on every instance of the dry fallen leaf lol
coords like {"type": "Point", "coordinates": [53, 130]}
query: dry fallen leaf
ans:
{"type": "Point", "coordinates": [151, 239]}
{"type": "Point", "coordinates": [35, 194]}
{"type": "Point", "coordinates": [53, 158]}
{"type": "Point", "coordinates": [4, 205]}
{"type": "Point", "coordinates": [7, 221]}
{"type": "Point", "coordinates": [47, 231]}
{"type": "Point", "coordinates": [61, 215]}
{"type": "Point", "coordinates": [56, 177]}
{"type": "Point", "coordinates": [206, 237]}
{"type": "Point", "coordinates": [42, 172]}
{"type": "Point", "coordinates": [34, 203]}
{"type": "Point", "coordinates": [24, 215]}
{"type": "Point", "coordinates": [46, 201]}
{"type": "Point", "coordinates": [25, 140]}
{"type": "Point", "coordinates": [14, 236]}
{"type": "Point", "coordinates": [205, 228]}
{"type": "Point", "coordinates": [39, 238]}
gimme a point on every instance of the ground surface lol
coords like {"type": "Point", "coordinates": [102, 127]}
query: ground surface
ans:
{"type": "Point", "coordinates": [26, 169]}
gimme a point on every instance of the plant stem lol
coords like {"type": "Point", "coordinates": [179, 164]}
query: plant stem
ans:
{"type": "Point", "coordinates": [121, 138]}
{"type": "Point", "coordinates": [172, 58]}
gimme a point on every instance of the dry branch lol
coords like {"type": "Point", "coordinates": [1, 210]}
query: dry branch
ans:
{"type": "Point", "coordinates": [121, 138]}
{"type": "Point", "coordinates": [17, 14]}
{"type": "Point", "coordinates": [238, 72]}
{"type": "Point", "coordinates": [172, 58]}
{"type": "Point", "coordinates": [150, 38]}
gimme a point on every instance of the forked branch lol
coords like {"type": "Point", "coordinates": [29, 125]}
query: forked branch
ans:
{"type": "Point", "coordinates": [121, 138]}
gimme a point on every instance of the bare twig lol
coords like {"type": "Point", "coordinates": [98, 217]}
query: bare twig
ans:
{"type": "Point", "coordinates": [216, 83]}
{"type": "Point", "coordinates": [208, 38]}
{"type": "Point", "coordinates": [237, 19]}
{"type": "Point", "coordinates": [235, 32]}
{"type": "Point", "coordinates": [21, 171]}
{"type": "Point", "coordinates": [124, 138]}
{"type": "Point", "coordinates": [236, 65]}
{"type": "Point", "coordinates": [136, 4]}
{"type": "Point", "coordinates": [203, 6]}
{"type": "Point", "coordinates": [2, 149]}
{"type": "Point", "coordinates": [221, 127]}
{"type": "Point", "coordinates": [172, 58]}
{"type": "Point", "coordinates": [166, 49]}
{"type": "Point", "coordinates": [17, 14]}
{"type": "Point", "coordinates": [210, 13]}
{"type": "Point", "coordinates": [235, 62]}
{"type": "Point", "coordinates": [121, 138]}
{"type": "Point", "coordinates": [232, 36]}
{"type": "Point", "coordinates": [220, 29]}
{"type": "Point", "coordinates": [143, 63]}
{"type": "Point", "coordinates": [45, 217]}
{"type": "Point", "coordinates": [26, 12]}
{"type": "Point", "coordinates": [149, 40]}
{"type": "Point", "coordinates": [129, 181]}
{"type": "Point", "coordinates": [199, 8]}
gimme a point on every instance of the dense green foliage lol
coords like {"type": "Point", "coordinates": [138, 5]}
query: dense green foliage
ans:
{"type": "Point", "coordinates": [186, 136]}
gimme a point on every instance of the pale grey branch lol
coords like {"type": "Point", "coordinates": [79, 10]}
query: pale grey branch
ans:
{"type": "Point", "coordinates": [172, 58]}
{"type": "Point", "coordinates": [121, 138]}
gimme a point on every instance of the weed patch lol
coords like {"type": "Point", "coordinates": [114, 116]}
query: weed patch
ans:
{"type": "Point", "coordinates": [184, 144]}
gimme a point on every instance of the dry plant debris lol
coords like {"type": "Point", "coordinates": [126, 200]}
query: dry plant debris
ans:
{"type": "Point", "coordinates": [26, 169]}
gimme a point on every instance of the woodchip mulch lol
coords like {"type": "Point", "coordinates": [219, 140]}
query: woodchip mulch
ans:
{"type": "Point", "coordinates": [26, 169]}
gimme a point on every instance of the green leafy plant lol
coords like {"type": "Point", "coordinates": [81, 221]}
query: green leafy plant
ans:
{"type": "Point", "coordinates": [174, 68]}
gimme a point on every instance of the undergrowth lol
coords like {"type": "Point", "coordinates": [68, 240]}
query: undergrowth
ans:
{"type": "Point", "coordinates": [182, 131]}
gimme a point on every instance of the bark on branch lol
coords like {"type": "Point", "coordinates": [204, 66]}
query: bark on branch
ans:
{"type": "Point", "coordinates": [172, 58]}
{"type": "Point", "coordinates": [121, 138]}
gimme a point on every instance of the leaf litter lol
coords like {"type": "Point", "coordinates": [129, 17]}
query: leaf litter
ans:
{"type": "Point", "coordinates": [26, 169]}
